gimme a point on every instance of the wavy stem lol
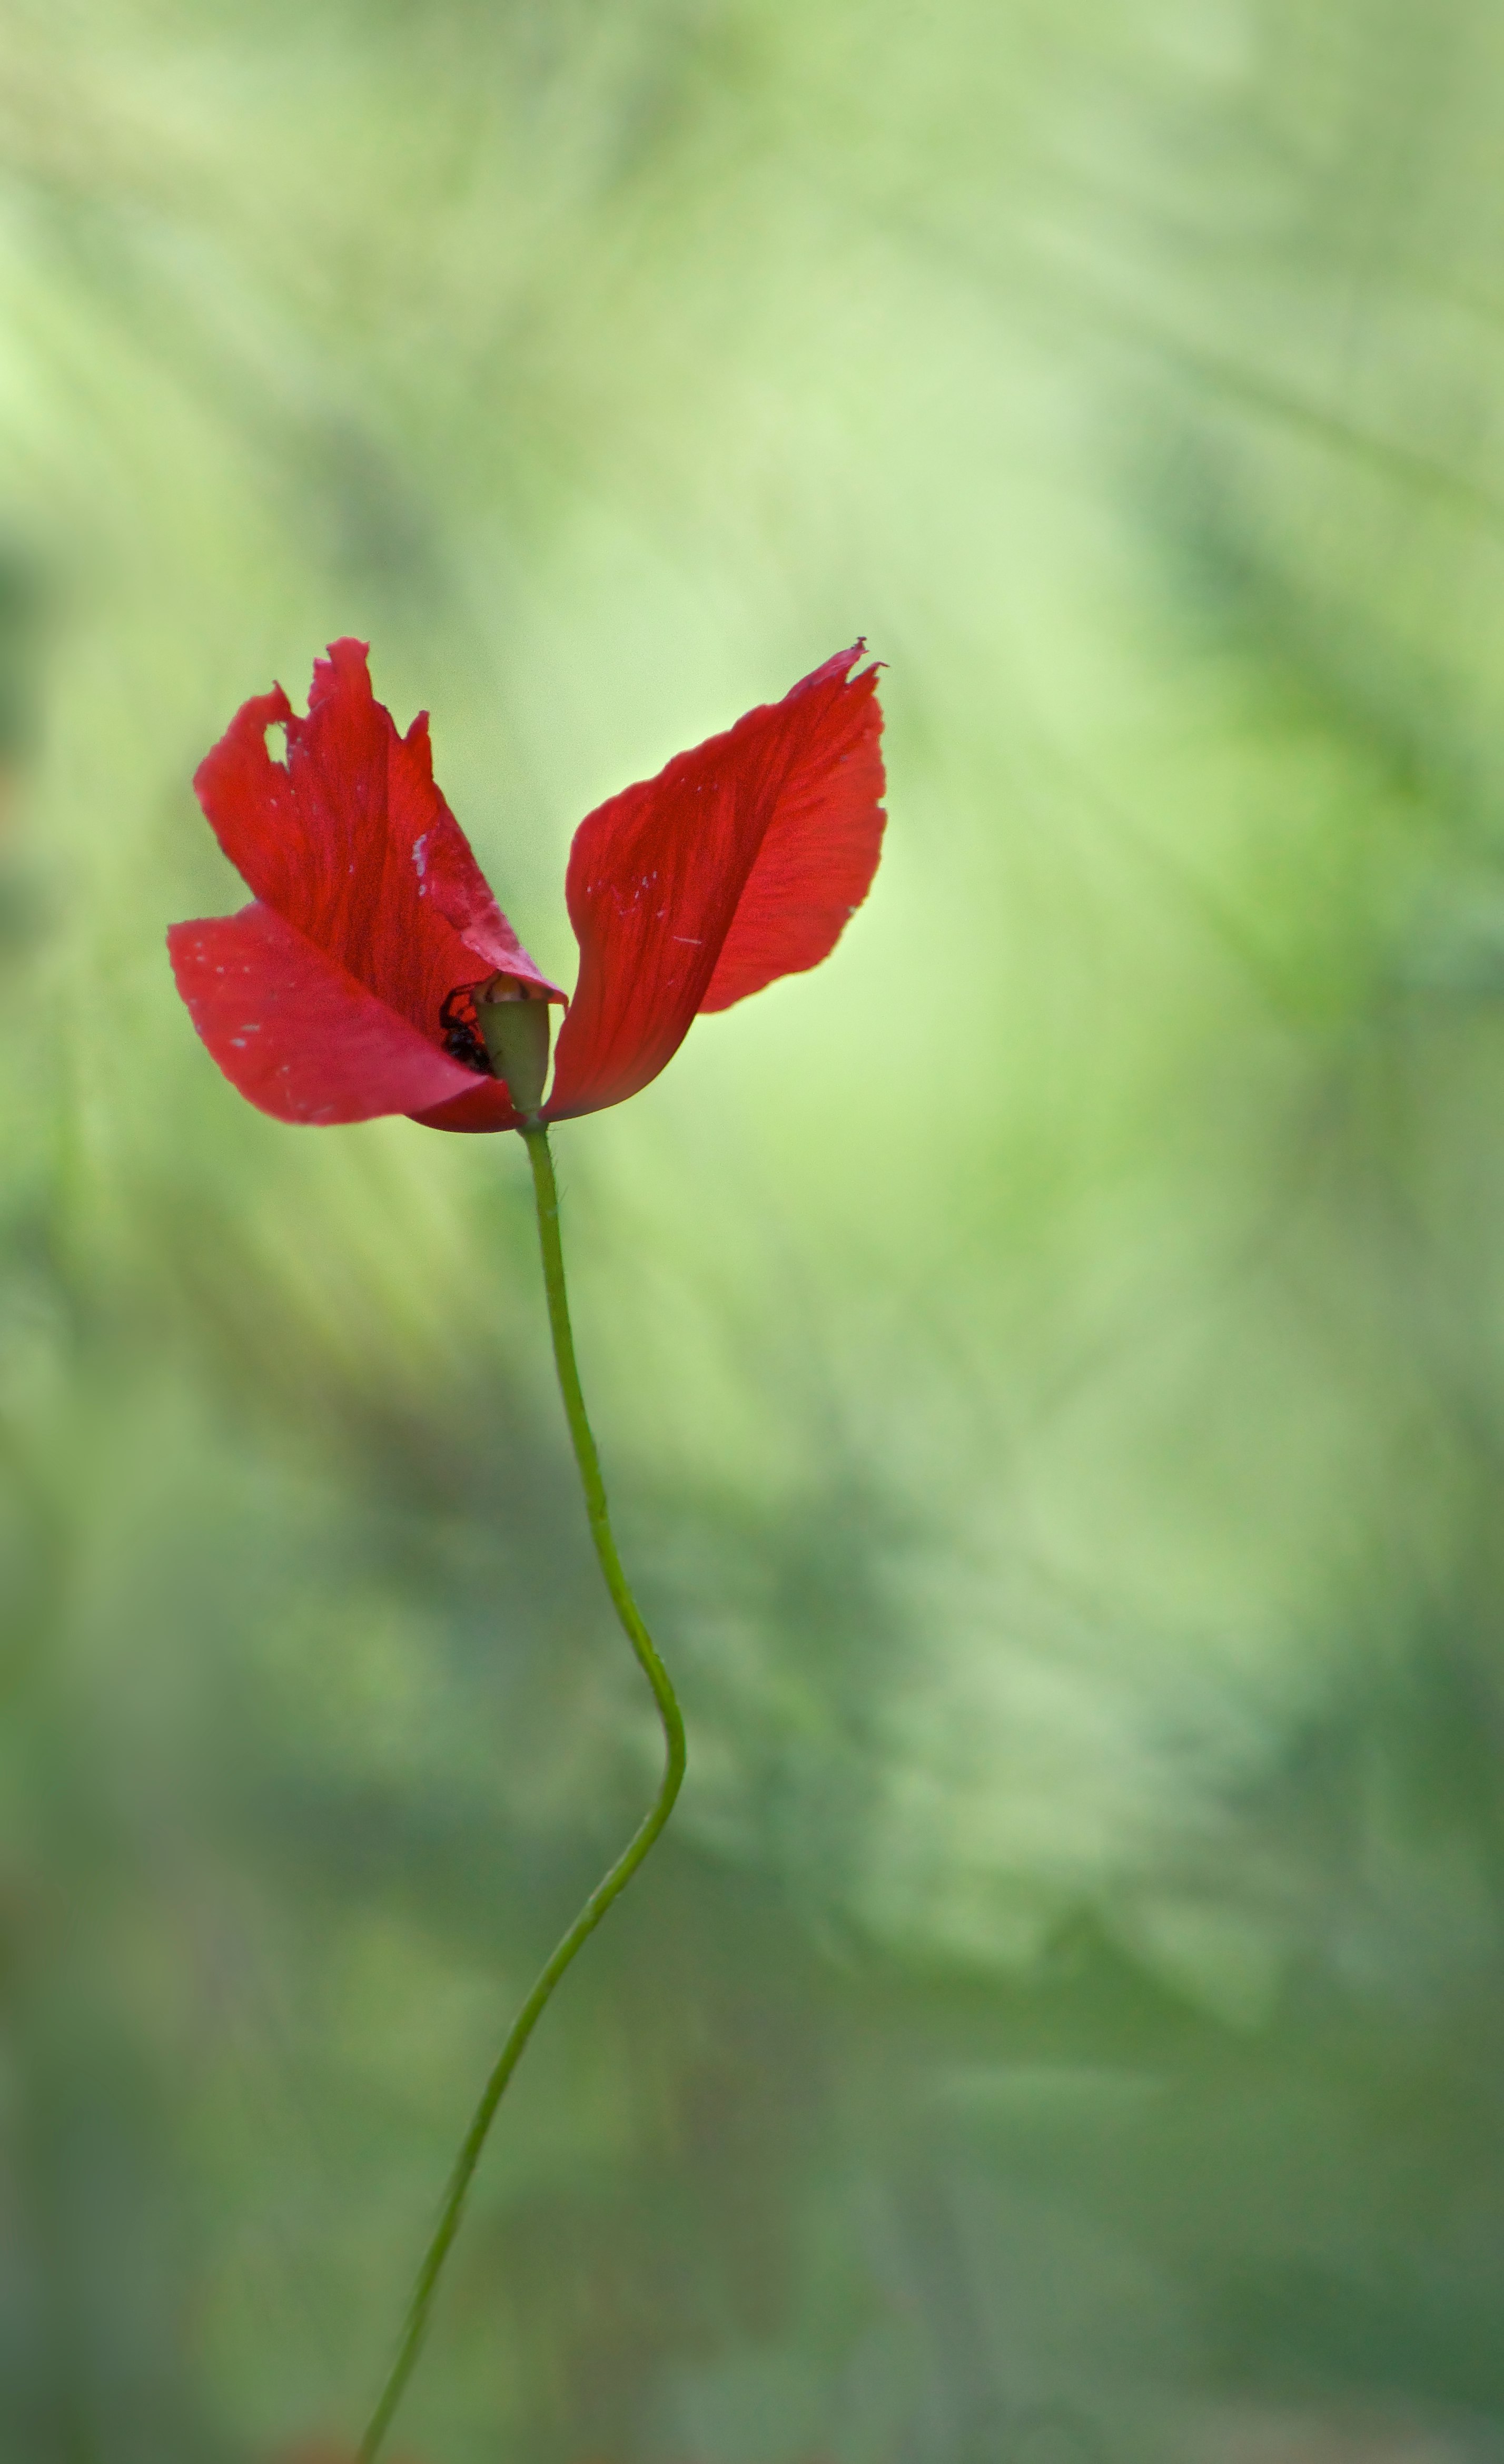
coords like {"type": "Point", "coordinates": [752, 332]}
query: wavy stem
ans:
{"type": "Point", "coordinates": [613, 1884]}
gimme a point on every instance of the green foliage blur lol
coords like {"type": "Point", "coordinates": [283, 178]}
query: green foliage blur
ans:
{"type": "Point", "coordinates": [1049, 1362]}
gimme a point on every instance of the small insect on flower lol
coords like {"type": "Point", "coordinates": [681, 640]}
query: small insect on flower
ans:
{"type": "Point", "coordinates": [348, 988]}
{"type": "Point", "coordinates": [462, 1039]}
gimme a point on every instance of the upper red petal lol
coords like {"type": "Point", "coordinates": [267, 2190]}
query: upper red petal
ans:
{"type": "Point", "coordinates": [820, 850]}
{"type": "Point", "coordinates": [778, 820]}
{"type": "Point", "coordinates": [295, 1032]}
{"type": "Point", "coordinates": [352, 843]}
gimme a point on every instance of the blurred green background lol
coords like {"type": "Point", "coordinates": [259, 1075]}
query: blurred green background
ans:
{"type": "Point", "coordinates": [1049, 1362]}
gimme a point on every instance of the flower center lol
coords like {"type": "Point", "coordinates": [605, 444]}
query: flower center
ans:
{"type": "Point", "coordinates": [500, 1031]}
{"type": "Point", "coordinates": [514, 1025]}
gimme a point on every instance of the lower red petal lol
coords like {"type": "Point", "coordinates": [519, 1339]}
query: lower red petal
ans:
{"type": "Point", "coordinates": [485, 1105]}
{"type": "Point", "coordinates": [295, 1032]}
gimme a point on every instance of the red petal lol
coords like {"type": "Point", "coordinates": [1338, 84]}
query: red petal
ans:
{"type": "Point", "coordinates": [352, 843]}
{"type": "Point", "coordinates": [815, 863]}
{"type": "Point", "coordinates": [295, 1032]}
{"type": "Point", "coordinates": [485, 1105]}
{"type": "Point", "coordinates": [739, 862]}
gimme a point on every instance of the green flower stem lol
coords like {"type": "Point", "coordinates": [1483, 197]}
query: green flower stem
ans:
{"type": "Point", "coordinates": [612, 1884]}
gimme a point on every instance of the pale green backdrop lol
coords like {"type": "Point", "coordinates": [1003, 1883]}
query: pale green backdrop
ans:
{"type": "Point", "coordinates": [1050, 1362]}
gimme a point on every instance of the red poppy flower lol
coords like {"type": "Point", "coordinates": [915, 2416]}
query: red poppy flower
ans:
{"type": "Point", "coordinates": [361, 978]}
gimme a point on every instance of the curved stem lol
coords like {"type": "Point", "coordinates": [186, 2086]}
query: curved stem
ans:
{"type": "Point", "coordinates": [612, 1884]}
